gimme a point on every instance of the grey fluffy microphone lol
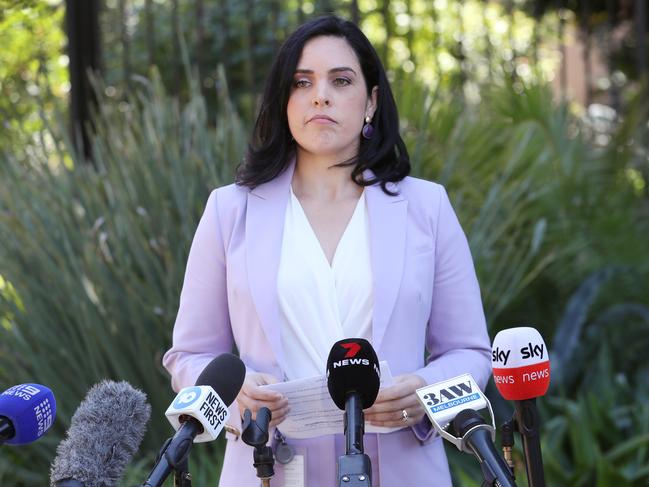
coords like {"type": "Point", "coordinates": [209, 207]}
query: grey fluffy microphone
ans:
{"type": "Point", "coordinates": [104, 433]}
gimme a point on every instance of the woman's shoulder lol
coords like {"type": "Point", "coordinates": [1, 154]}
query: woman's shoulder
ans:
{"type": "Point", "coordinates": [229, 195]}
{"type": "Point", "coordinates": [417, 189]}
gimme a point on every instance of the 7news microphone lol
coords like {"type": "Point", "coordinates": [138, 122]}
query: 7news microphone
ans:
{"type": "Point", "coordinates": [452, 406]}
{"type": "Point", "coordinates": [27, 411]}
{"type": "Point", "coordinates": [521, 369]}
{"type": "Point", "coordinates": [353, 380]}
{"type": "Point", "coordinates": [105, 432]}
{"type": "Point", "coordinates": [198, 413]}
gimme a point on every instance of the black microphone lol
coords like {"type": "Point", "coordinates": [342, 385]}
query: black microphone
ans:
{"type": "Point", "coordinates": [106, 430]}
{"type": "Point", "coordinates": [353, 380]}
{"type": "Point", "coordinates": [475, 434]}
{"type": "Point", "coordinates": [200, 413]}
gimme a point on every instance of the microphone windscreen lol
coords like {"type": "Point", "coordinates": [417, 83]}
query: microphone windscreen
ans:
{"type": "Point", "coordinates": [520, 362]}
{"type": "Point", "coordinates": [225, 374]}
{"type": "Point", "coordinates": [31, 408]}
{"type": "Point", "coordinates": [465, 420]}
{"type": "Point", "coordinates": [105, 432]}
{"type": "Point", "coordinates": [352, 366]}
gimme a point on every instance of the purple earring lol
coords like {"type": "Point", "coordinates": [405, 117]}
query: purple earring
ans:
{"type": "Point", "coordinates": [368, 129]}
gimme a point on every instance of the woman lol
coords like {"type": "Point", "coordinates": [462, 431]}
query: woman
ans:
{"type": "Point", "coordinates": [324, 237]}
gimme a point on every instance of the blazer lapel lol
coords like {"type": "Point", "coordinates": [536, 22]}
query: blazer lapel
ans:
{"type": "Point", "coordinates": [265, 215]}
{"type": "Point", "coordinates": [387, 217]}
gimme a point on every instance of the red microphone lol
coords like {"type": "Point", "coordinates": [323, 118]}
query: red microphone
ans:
{"type": "Point", "coordinates": [521, 368]}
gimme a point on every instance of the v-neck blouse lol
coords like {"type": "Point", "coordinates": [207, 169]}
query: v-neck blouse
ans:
{"type": "Point", "coordinates": [319, 303]}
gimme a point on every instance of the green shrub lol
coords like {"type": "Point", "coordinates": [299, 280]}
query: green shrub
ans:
{"type": "Point", "coordinates": [96, 255]}
{"type": "Point", "coordinates": [93, 255]}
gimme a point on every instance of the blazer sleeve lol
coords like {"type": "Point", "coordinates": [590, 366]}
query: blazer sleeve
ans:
{"type": "Point", "coordinates": [202, 328]}
{"type": "Point", "coordinates": [456, 339]}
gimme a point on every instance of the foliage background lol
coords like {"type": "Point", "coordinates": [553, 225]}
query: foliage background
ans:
{"type": "Point", "coordinates": [553, 197]}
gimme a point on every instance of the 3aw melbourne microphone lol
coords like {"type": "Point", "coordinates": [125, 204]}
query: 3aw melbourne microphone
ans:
{"type": "Point", "coordinates": [521, 368]}
{"type": "Point", "coordinates": [353, 380]}
{"type": "Point", "coordinates": [27, 411]}
{"type": "Point", "coordinates": [451, 406]}
{"type": "Point", "coordinates": [198, 413]}
{"type": "Point", "coordinates": [105, 432]}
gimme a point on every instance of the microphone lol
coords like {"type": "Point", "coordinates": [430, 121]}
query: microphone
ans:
{"type": "Point", "coordinates": [353, 380]}
{"type": "Point", "coordinates": [452, 405]}
{"type": "Point", "coordinates": [476, 435]}
{"type": "Point", "coordinates": [198, 414]}
{"type": "Point", "coordinates": [521, 368]}
{"type": "Point", "coordinates": [105, 432]}
{"type": "Point", "coordinates": [27, 411]}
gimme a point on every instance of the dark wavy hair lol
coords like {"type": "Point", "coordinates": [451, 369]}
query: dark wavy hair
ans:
{"type": "Point", "coordinates": [271, 146]}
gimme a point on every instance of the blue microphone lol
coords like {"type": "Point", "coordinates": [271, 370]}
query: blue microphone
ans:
{"type": "Point", "coordinates": [27, 411]}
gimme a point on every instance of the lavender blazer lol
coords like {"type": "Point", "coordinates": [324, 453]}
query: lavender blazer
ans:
{"type": "Point", "coordinates": [426, 297]}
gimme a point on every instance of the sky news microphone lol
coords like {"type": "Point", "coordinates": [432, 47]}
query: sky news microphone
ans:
{"type": "Point", "coordinates": [353, 380]}
{"type": "Point", "coordinates": [105, 432]}
{"type": "Point", "coordinates": [199, 413]}
{"type": "Point", "coordinates": [454, 402]}
{"type": "Point", "coordinates": [521, 368]}
{"type": "Point", "coordinates": [27, 411]}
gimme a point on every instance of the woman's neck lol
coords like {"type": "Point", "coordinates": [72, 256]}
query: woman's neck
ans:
{"type": "Point", "coordinates": [318, 178]}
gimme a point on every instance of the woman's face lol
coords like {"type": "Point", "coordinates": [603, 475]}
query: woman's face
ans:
{"type": "Point", "coordinates": [328, 102]}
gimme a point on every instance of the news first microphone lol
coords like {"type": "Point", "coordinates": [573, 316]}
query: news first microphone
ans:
{"type": "Point", "coordinates": [353, 380]}
{"type": "Point", "coordinates": [521, 369]}
{"type": "Point", "coordinates": [452, 406]}
{"type": "Point", "coordinates": [105, 432]}
{"type": "Point", "coordinates": [198, 414]}
{"type": "Point", "coordinates": [27, 411]}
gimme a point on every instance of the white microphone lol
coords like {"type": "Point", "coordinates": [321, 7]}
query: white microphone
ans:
{"type": "Point", "coordinates": [198, 414]}
{"type": "Point", "coordinates": [203, 404]}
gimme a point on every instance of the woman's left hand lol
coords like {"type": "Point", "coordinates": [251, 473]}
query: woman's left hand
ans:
{"type": "Point", "coordinates": [392, 401]}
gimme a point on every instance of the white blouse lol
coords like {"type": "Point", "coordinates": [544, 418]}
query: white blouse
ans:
{"type": "Point", "coordinates": [321, 303]}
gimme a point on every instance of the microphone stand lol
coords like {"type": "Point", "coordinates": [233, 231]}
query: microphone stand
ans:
{"type": "Point", "coordinates": [165, 464]}
{"type": "Point", "coordinates": [182, 477]}
{"type": "Point", "coordinates": [507, 442]}
{"type": "Point", "coordinates": [527, 422]}
{"type": "Point", "coordinates": [254, 432]}
{"type": "Point", "coordinates": [354, 468]}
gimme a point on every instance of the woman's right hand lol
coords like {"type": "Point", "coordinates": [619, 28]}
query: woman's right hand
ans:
{"type": "Point", "coordinates": [253, 397]}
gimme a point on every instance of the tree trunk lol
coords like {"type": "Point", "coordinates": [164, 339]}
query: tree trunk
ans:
{"type": "Point", "coordinates": [461, 56]}
{"type": "Point", "coordinates": [410, 35]}
{"type": "Point", "coordinates": [150, 36]}
{"type": "Point", "coordinates": [387, 22]}
{"type": "Point", "coordinates": [563, 74]}
{"type": "Point", "coordinates": [252, 43]}
{"type": "Point", "coordinates": [126, 48]}
{"type": "Point", "coordinates": [201, 49]}
{"type": "Point", "coordinates": [176, 60]}
{"type": "Point", "coordinates": [612, 21]}
{"type": "Point", "coordinates": [488, 44]}
{"type": "Point", "coordinates": [585, 37]}
{"type": "Point", "coordinates": [82, 26]}
{"type": "Point", "coordinates": [300, 12]}
{"type": "Point", "coordinates": [355, 13]}
{"type": "Point", "coordinates": [641, 34]}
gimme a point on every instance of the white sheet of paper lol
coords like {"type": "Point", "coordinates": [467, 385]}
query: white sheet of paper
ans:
{"type": "Point", "coordinates": [313, 413]}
